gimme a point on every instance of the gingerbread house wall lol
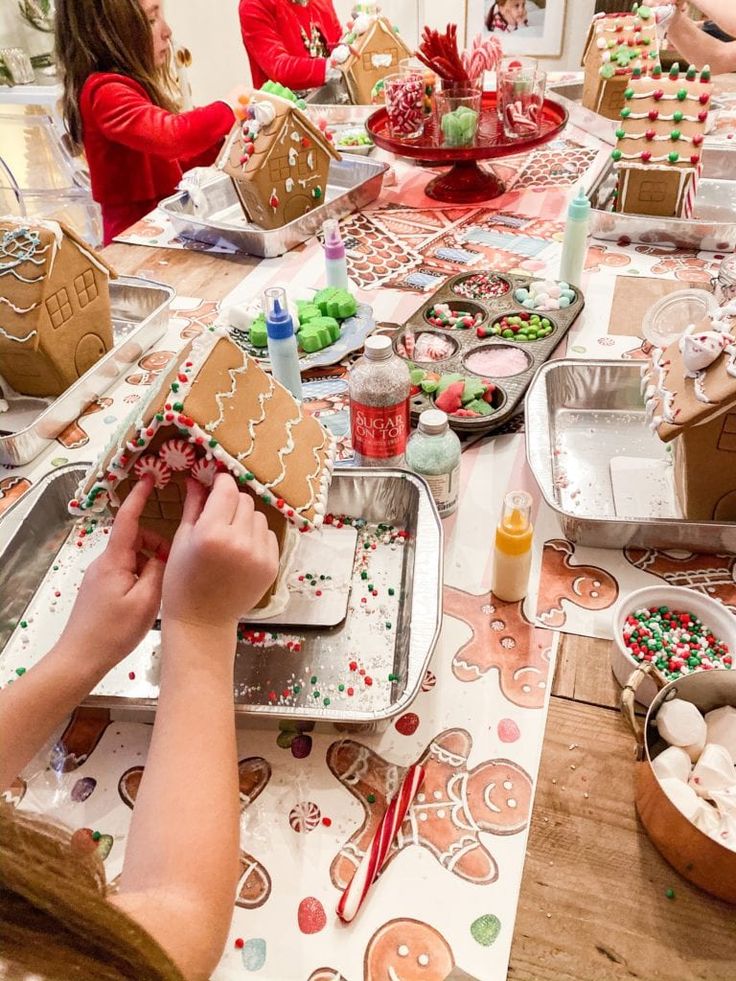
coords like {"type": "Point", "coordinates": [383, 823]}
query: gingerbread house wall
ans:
{"type": "Point", "coordinates": [311, 171]}
{"type": "Point", "coordinates": [73, 327]}
{"type": "Point", "coordinates": [652, 190]}
{"type": "Point", "coordinates": [362, 74]}
{"type": "Point", "coordinates": [705, 469]}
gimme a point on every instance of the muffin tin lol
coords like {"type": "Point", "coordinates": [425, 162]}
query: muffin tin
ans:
{"type": "Point", "coordinates": [510, 388]}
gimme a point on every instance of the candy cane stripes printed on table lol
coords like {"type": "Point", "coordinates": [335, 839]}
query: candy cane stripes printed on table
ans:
{"type": "Point", "coordinates": [374, 858]}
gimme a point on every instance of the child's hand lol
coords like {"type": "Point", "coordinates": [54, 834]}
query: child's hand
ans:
{"type": "Point", "coordinates": [223, 557]}
{"type": "Point", "coordinates": [120, 593]}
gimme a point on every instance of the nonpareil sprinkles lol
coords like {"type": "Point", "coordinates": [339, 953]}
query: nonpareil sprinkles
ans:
{"type": "Point", "coordinates": [677, 642]}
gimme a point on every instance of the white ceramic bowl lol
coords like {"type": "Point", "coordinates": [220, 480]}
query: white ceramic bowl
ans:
{"type": "Point", "coordinates": [713, 614]}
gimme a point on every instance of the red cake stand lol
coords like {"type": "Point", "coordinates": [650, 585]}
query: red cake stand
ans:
{"type": "Point", "coordinates": [465, 182]}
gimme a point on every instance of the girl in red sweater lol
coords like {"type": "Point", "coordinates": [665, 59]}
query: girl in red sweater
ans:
{"type": "Point", "coordinates": [289, 41]}
{"type": "Point", "coordinates": [113, 55]}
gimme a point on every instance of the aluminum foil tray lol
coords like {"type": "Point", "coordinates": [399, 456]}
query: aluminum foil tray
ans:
{"type": "Point", "coordinates": [712, 228]}
{"type": "Point", "coordinates": [353, 182]}
{"type": "Point", "coordinates": [580, 415]}
{"type": "Point", "coordinates": [41, 534]}
{"type": "Point", "coordinates": [510, 389]}
{"type": "Point", "coordinates": [140, 317]}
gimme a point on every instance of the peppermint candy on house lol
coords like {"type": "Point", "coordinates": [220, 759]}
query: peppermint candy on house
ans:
{"type": "Point", "coordinates": [178, 454]}
{"type": "Point", "coordinates": [151, 464]}
{"type": "Point", "coordinates": [205, 472]}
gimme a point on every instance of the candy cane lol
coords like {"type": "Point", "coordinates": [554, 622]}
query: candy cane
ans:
{"type": "Point", "coordinates": [375, 856]}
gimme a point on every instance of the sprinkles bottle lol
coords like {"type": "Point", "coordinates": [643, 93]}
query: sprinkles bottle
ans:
{"type": "Point", "coordinates": [379, 387]}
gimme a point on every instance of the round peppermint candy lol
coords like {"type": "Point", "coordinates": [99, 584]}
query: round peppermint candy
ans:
{"type": "Point", "coordinates": [178, 454]}
{"type": "Point", "coordinates": [304, 816]}
{"type": "Point", "coordinates": [157, 468]}
{"type": "Point", "coordinates": [205, 472]}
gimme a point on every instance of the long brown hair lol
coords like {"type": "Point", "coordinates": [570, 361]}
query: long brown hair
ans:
{"type": "Point", "coordinates": [55, 921]}
{"type": "Point", "coordinates": [104, 36]}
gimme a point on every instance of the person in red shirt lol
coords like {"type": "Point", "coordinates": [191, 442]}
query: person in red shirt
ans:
{"type": "Point", "coordinates": [289, 41]}
{"type": "Point", "coordinates": [112, 58]}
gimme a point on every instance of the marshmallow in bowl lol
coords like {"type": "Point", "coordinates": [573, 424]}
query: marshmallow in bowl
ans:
{"type": "Point", "coordinates": [681, 724]}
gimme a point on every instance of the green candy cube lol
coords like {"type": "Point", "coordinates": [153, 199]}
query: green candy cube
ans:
{"type": "Point", "coordinates": [318, 334]}
{"type": "Point", "coordinates": [335, 302]}
{"type": "Point", "coordinates": [307, 311]}
{"type": "Point", "coordinates": [258, 334]}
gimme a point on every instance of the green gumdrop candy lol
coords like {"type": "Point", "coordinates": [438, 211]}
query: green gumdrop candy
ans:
{"type": "Point", "coordinates": [474, 389]}
{"type": "Point", "coordinates": [449, 379]}
{"type": "Point", "coordinates": [416, 376]}
{"type": "Point", "coordinates": [607, 70]}
{"type": "Point", "coordinates": [429, 385]}
{"type": "Point", "coordinates": [318, 334]}
{"type": "Point", "coordinates": [258, 334]}
{"type": "Point", "coordinates": [480, 406]}
{"type": "Point", "coordinates": [335, 302]}
{"type": "Point", "coordinates": [307, 311]}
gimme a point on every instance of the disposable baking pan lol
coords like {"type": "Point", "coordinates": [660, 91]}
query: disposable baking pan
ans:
{"type": "Point", "coordinates": [509, 389]}
{"type": "Point", "coordinates": [579, 416]}
{"type": "Point", "coordinates": [140, 316]}
{"type": "Point", "coordinates": [39, 525]}
{"type": "Point", "coordinates": [712, 227]}
{"type": "Point", "coordinates": [352, 183]}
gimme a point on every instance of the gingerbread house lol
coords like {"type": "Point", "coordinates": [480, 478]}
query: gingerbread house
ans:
{"type": "Point", "coordinates": [691, 400]}
{"type": "Point", "coordinates": [659, 142]}
{"type": "Point", "coordinates": [54, 306]}
{"type": "Point", "coordinates": [278, 161]}
{"type": "Point", "coordinates": [217, 410]}
{"type": "Point", "coordinates": [371, 50]}
{"type": "Point", "coordinates": [617, 45]}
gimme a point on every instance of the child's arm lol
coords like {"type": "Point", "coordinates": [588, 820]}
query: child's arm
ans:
{"type": "Point", "coordinates": [723, 12]}
{"type": "Point", "coordinates": [181, 863]}
{"type": "Point", "coordinates": [700, 48]}
{"type": "Point", "coordinates": [117, 603]}
{"type": "Point", "coordinates": [126, 115]}
{"type": "Point", "coordinates": [266, 47]}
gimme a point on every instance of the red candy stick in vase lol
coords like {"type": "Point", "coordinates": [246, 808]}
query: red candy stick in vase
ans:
{"type": "Point", "coordinates": [376, 854]}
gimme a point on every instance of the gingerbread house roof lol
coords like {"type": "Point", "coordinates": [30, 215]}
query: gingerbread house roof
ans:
{"type": "Point", "coordinates": [366, 31]}
{"type": "Point", "coordinates": [221, 401]}
{"type": "Point", "coordinates": [267, 124]}
{"type": "Point", "coordinates": [664, 120]}
{"type": "Point", "coordinates": [693, 379]}
{"type": "Point", "coordinates": [28, 253]}
{"type": "Point", "coordinates": [618, 43]}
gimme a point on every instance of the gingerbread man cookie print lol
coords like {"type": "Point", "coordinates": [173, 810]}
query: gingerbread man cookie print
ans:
{"type": "Point", "coordinates": [501, 638]}
{"type": "Point", "coordinates": [11, 488]}
{"type": "Point", "coordinates": [561, 582]}
{"type": "Point", "coordinates": [75, 435]}
{"type": "Point", "coordinates": [254, 882]}
{"type": "Point", "coordinates": [714, 575]}
{"type": "Point", "coordinates": [401, 950]}
{"type": "Point", "coordinates": [151, 367]}
{"type": "Point", "coordinates": [453, 808]}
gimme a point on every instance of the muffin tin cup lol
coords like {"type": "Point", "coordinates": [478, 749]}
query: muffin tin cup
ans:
{"type": "Point", "coordinates": [456, 304]}
{"type": "Point", "coordinates": [513, 339]}
{"type": "Point", "coordinates": [510, 389]}
{"type": "Point", "coordinates": [443, 337]}
{"type": "Point", "coordinates": [458, 281]}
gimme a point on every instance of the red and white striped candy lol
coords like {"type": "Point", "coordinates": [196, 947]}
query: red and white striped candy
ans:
{"type": "Point", "coordinates": [205, 472]}
{"type": "Point", "coordinates": [178, 454]}
{"type": "Point", "coordinates": [157, 468]}
{"type": "Point", "coordinates": [374, 858]}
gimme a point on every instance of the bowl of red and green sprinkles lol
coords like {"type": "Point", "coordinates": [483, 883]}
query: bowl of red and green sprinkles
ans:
{"type": "Point", "coordinates": [676, 630]}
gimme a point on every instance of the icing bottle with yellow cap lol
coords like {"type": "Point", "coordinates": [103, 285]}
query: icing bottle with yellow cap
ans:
{"type": "Point", "coordinates": [512, 560]}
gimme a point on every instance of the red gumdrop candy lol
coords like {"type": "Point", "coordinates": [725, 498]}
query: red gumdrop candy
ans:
{"type": "Point", "coordinates": [452, 398]}
{"type": "Point", "coordinates": [311, 915]}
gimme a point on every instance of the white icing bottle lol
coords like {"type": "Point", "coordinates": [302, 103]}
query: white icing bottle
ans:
{"type": "Point", "coordinates": [336, 263]}
{"type": "Point", "coordinates": [282, 349]}
{"type": "Point", "coordinates": [512, 560]}
{"type": "Point", "coordinates": [575, 242]}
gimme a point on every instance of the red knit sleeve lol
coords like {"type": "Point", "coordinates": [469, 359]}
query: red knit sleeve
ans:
{"type": "Point", "coordinates": [265, 46]}
{"type": "Point", "coordinates": [125, 114]}
{"type": "Point", "coordinates": [331, 25]}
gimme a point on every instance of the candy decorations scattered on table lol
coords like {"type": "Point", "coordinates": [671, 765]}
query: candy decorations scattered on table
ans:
{"type": "Point", "coordinates": [545, 295]}
{"type": "Point", "coordinates": [676, 641]}
{"type": "Point", "coordinates": [453, 318]}
{"type": "Point", "coordinates": [521, 327]}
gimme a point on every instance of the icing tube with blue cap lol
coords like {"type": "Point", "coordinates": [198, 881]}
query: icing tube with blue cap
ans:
{"type": "Point", "coordinates": [282, 349]}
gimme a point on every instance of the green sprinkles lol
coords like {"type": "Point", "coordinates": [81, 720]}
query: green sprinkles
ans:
{"type": "Point", "coordinates": [315, 694]}
{"type": "Point", "coordinates": [213, 443]}
{"type": "Point", "coordinates": [669, 893]}
{"type": "Point", "coordinates": [391, 590]}
{"type": "Point", "coordinates": [20, 671]}
{"type": "Point", "coordinates": [371, 798]}
{"type": "Point", "coordinates": [96, 836]}
{"type": "Point", "coordinates": [325, 702]}
{"type": "Point", "coordinates": [297, 689]}
{"type": "Point", "coordinates": [24, 623]}
{"type": "Point", "coordinates": [313, 680]}
{"type": "Point", "coordinates": [341, 687]}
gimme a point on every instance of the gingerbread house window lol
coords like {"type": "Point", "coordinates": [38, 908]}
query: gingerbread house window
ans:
{"type": "Point", "coordinates": [59, 307]}
{"type": "Point", "coordinates": [165, 503]}
{"type": "Point", "coordinates": [303, 168]}
{"type": "Point", "coordinates": [86, 288]}
{"type": "Point", "coordinates": [279, 168]}
{"type": "Point", "coordinates": [727, 439]}
{"type": "Point", "coordinates": [652, 191]}
{"type": "Point", "coordinates": [368, 56]}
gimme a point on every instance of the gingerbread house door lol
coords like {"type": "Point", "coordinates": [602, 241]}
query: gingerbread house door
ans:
{"type": "Point", "coordinates": [89, 351]}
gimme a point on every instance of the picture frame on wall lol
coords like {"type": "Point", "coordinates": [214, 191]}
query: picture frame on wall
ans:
{"type": "Point", "coordinates": [524, 27]}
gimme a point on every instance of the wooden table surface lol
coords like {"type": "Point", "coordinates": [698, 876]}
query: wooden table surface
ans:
{"type": "Point", "coordinates": [593, 903]}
